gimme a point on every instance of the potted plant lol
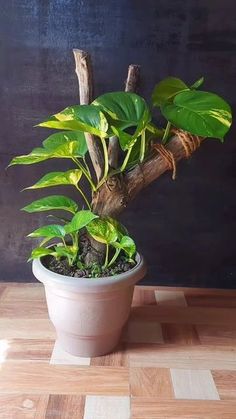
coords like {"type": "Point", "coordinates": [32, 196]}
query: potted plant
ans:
{"type": "Point", "coordinates": [86, 259]}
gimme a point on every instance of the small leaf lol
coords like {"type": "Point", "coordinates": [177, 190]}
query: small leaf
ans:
{"type": "Point", "coordinates": [102, 231]}
{"type": "Point", "coordinates": [166, 89]}
{"type": "Point", "coordinates": [197, 83]}
{"type": "Point", "coordinates": [38, 252]}
{"type": "Point", "coordinates": [58, 202]}
{"type": "Point", "coordinates": [126, 140]}
{"type": "Point", "coordinates": [71, 177]}
{"type": "Point", "coordinates": [127, 244]}
{"type": "Point", "coordinates": [52, 230]}
{"type": "Point", "coordinates": [200, 113]}
{"type": "Point", "coordinates": [80, 220]}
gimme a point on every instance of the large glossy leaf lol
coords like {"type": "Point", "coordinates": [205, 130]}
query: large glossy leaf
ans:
{"type": "Point", "coordinates": [166, 89]}
{"type": "Point", "coordinates": [58, 202]}
{"type": "Point", "coordinates": [51, 230]}
{"type": "Point", "coordinates": [71, 177]}
{"type": "Point", "coordinates": [85, 118]}
{"type": "Point", "coordinates": [200, 113]}
{"type": "Point", "coordinates": [126, 109]}
{"type": "Point", "coordinates": [102, 231]}
{"type": "Point", "coordinates": [59, 145]}
{"type": "Point", "coordinates": [80, 220]}
{"type": "Point", "coordinates": [127, 245]}
{"type": "Point", "coordinates": [38, 252]}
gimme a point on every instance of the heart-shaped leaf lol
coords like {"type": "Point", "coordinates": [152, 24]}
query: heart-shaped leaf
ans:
{"type": "Point", "coordinates": [166, 89]}
{"type": "Point", "coordinates": [125, 109]}
{"type": "Point", "coordinates": [85, 118]}
{"type": "Point", "coordinates": [58, 202]}
{"type": "Point", "coordinates": [71, 177]}
{"type": "Point", "coordinates": [52, 230]}
{"type": "Point", "coordinates": [39, 252]}
{"type": "Point", "coordinates": [102, 231]}
{"type": "Point", "coordinates": [59, 145]}
{"type": "Point", "coordinates": [127, 245]}
{"type": "Point", "coordinates": [80, 220]}
{"type": "Point", "coordinates": [200, 113]}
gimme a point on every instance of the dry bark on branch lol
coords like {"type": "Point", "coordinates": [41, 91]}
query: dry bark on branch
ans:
{"type": "Point", "coordinates": [84, 73]}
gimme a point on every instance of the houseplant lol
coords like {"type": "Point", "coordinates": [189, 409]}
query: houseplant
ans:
{"type": "Point", "coordinates": [87, 259]}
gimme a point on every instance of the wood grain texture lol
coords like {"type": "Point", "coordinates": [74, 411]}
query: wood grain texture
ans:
{"type": "Point", "coordinates": [171, 360]}
{"type": "Point", "coordinates": [151, 408]}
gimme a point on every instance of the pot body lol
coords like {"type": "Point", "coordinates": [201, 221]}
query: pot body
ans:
{"type": "Point", "coordinates": [89, 314]}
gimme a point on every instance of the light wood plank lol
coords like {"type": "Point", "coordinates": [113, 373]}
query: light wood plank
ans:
{"type": "Point", "coordinates": [23, 406]}
{"type": "Point", "coordinates": [217, 335]}
{"type": "Point", "coordinates": [105, 407]}
{"type": "Point", "coordinates": [143, 296]}
{"type": "Point", "coordinates": [118, 358]}
{"type": "Point", "coordinates": [16, 328]}
{"type": "Point", "coordinates": [151, 382]}
{"type": "Point", "coordinates": [23, 309]}
{"type": "Point", "coordinates": [180, 333]}
{"type": "Point", "coordinates": [193, 384]}
{"type": "Point", "coordinates": [41, 378]}
{"type": "Point", "coordinates": [142, 331]}
{"type": "Point", "coordinates": [211, 301]}
{"type": "Point", "coordinates": [29, 349]}
{"type": "Point", "coordinates": [152, 408]}
{"type": "Point", "coordinates": [170, 298]}
{"type": "Point", "coordinates": [183, 356]}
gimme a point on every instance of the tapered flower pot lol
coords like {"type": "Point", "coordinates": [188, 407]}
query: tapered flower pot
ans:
{"type": "Point", "coordinates": [89, 314]}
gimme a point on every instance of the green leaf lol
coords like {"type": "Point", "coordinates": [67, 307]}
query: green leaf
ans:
{"type": "Point", "coordinates": [126, 109]}
{"type": "Point", "coordinates": [59, 145]}
{"type": "Point", "coordinates": [38, 252]}
{"type": "Point", "coordinates": [102, 231]}
{"type": "Point", "coordinates": [85, 118]}
{"type": "Point", "coordinates": [197, 83]}
{"type": "Point", "coordinates": [126, 140]}
{"type": "Point", "coordinates": [120, 228]}
{"type": "Point", "coordinates": [74, 140]}
{"type": "Point", "coordinates": [166, 89]}
{"type": "Point", "coordinates": [52, 230]}
{"type": "Point", "coordinates": [80, 220]}
{"type": "Point", "coordinates": [58, 202]}
{"type": "Point", "coordinates": [127, 244]}
{"type": "Point", "coordinates": [71, 177]}
{"type": "Point", "coordinates": [68, 251]}
{"type": "Point", "coordinates": [200, 113]}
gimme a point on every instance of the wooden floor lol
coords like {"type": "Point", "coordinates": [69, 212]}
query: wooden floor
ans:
{"type": "Point", "coordinates": [177, 359]}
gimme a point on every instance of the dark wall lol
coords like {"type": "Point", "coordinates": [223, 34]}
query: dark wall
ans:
{"type": "Point", "coordinates": [187, 228]}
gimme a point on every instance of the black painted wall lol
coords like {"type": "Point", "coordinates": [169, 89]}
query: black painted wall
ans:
{"type": "Point", "coordinates": [187, 228]}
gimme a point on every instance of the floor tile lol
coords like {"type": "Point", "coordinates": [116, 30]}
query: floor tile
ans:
{"type": "Point", "coordinates": [59, 356]}
{"type": "Point", "coordinates": [170, 298]}
{"type": "Point", "coordinates": [143, 331]}
{"type": "Point", "coordinates": [102, 407]}
{"type": "Point", "coordinates": [193, 384]}
{"type": "Point", "coordinates": [151, 382]}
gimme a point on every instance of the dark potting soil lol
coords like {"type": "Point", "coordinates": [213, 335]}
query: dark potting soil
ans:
{"type": "Point", "coordinates": [61, 267]}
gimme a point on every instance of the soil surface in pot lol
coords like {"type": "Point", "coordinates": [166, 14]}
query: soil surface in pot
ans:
{"type": "Point", "coordinates": [62, 267]}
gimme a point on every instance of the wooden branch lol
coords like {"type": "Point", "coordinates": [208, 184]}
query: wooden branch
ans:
{"type": "Point", "coordinates": [83, 70]}
{"type": "Point", "coordinates": [113, 200]}
{"type": "Point", "coordinates": [131, 85]}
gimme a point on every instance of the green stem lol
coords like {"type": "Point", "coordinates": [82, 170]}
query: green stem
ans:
{"type": "Point", "coordinates": [87, 168]}
{"type": "Point", "coordinates": [124, 164]}
{"type": "Point", "coordinates": [166, 133]}
{"type": "Point", "coordinates": [106, 256]}
{"type": "Point", "coordinates": [106, 161]}
{"type": "Point", "coordinates": [142, 147]}
{"type": "Point", "coordinates": [117, 252]}
{"type": "Point", "coordinates": [85, 172]}
{"type": "Point", "coordinates": [83, 195]}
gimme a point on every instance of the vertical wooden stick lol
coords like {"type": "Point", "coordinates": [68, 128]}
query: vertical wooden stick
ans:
{"type": "Point", "coordinates": [84, 73]}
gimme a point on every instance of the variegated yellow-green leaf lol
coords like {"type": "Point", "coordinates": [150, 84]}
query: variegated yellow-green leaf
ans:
{"type": "Point", "coordinates": [52, 230]}
{"type": "Point", "coordinates": [80, 220]}
{"type": "Point", "coordinates": [71, 177]}
{"type": "Point", "coordinates": [53, 202]}
{"type": "Point", "coordinates": [102, 231]}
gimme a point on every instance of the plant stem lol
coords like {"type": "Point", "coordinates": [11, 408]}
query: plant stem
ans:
{"type": "Point", "coordinates": [85, 172]}
{"type": "Point", "coordinates": [124, 164]}
{"type": "Point", "coordinates": [166, 133]}
{"type": "Point", "coordinates": [106, 161]}
{"type": "Point", "coordinates": [106, 256]}
{"type": "Point", "coordinates": [87, 168]}
{"type": "Point", "coordinates": [117, 252]}
{"type": "Point", "coordinates": [83, 195]}
{"type": "Point", "coordinates": [142, 147]}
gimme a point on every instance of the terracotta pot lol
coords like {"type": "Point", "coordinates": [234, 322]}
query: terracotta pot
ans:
{"type": "Point", "coordinates": [89, 313]}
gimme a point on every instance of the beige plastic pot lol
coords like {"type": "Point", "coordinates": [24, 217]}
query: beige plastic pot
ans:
{"type": "Point", "coordinates": [89, 314]}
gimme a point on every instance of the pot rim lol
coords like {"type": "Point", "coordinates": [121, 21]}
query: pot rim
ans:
{"type": "Point", "coordinates": [47, 276]}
